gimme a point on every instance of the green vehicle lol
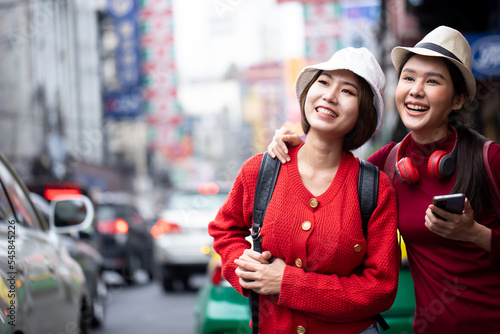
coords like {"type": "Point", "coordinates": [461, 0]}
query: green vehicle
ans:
{"type": "Point", "coordinates": [400, 316]}
{"type": "Point", "coordinates": [219, 308]}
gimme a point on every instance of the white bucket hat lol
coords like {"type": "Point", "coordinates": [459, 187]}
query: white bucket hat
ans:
{"type": "Point", "coordinates": [442, 42]}
{"type": "Point", "coordinates": [357, 60]}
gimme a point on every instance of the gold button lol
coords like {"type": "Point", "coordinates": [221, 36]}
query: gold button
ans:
{"type": "Point", "coordinates": [306, 226]}
{"type": "Point", "coordinates": [260, 239]}
{"type": "Point", "coordinates": [313, 202]}
{"type": "Point", "coordinates": [301, 330]}
{"type": "Point", "coordinates": [357, 248]}
{"type": "Point", "coordinates": [298, 263]}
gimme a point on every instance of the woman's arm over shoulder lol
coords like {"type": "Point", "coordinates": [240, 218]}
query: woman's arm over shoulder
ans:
{"type": "Point", "coordinates": [234, 219]}
{"type": "Point", "coordinates": [494, 161]}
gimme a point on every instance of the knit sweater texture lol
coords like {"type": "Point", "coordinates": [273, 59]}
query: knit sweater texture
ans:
{"type": "Point", "coordinates": [457, 284]}
{"type": "Point", "coordinates": [328, 290]}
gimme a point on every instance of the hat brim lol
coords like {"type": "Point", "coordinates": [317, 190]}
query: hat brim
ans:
{"type": "Point", "coordinates": [399, 56]}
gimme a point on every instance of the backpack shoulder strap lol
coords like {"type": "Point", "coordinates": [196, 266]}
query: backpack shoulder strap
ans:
{"type": "Point", "coordinates": [368, 196]}
{"type": "Point", "coordinates": [367, 191]}
{"type": "Point", "coordinates": [487, 167]}
{"type": "Point", "coordinates": [390, 162]}
{"type": "Point", "coordinates": [266, 180]}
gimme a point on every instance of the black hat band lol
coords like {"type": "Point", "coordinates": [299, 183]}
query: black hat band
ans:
{"type": "Point", "coordinates": [439, 49]}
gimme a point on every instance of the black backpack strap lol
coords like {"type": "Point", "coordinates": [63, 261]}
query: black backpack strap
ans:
{"type": "Point", "coordinates": [368, 195]}
{"type": "Point", "coordinates": [367, 191]}
{"type": "Point", "coordinates": [268, 174]}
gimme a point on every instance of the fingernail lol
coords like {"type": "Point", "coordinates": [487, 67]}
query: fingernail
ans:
{"type": "Point", "coordinates": [286, 151]}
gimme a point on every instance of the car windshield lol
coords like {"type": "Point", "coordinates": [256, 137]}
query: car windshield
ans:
{"type": "Point", "coordinates": [195, 201]}
{"type": "Point", "coordinates": [107, 212]}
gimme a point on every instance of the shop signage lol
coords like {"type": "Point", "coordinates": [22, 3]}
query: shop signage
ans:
{"type": "Point", "coordinates": [485, 55]}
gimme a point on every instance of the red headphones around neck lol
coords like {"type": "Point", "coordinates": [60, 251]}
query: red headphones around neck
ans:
{"type": "Point", "coordinates": [440, 164]}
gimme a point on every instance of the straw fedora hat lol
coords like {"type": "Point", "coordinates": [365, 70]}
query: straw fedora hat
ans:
{"type": "Point", "coordinates": [442, 42]}
{"type": "Point", "coordinates": [357, 60]}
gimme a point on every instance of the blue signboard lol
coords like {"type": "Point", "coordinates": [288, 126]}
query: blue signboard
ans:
{"type": "Point", "coordinates": [485, 55]}
{"type": "Point", "coordinates": [126, 99]}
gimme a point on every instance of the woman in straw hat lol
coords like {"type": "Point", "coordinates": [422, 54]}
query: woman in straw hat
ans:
{"type": "Point", "coordinates": [454, 260]}
{"type": "Point", "coordinates": [310, 275]}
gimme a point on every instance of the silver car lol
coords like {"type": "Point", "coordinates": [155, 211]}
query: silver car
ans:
{"type": "Point", "coordinates": [182, 244]}
{"type": "Point", "coordinates": [81, 248]}
{"type": "Point", "coordinates": [42, 288]}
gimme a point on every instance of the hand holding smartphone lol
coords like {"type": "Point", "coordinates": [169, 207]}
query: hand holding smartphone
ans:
{"type": "Point", "coordinates": [453, 203]}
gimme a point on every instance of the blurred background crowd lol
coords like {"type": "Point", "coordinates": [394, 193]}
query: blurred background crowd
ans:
{"type": "Point", "coordinates": [140, 96]}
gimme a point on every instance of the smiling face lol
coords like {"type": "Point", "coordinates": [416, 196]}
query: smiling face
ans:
{"type": "Point", "coordinates": [425, 96]}
{"type": "Point", "coordinates": [332, 103]}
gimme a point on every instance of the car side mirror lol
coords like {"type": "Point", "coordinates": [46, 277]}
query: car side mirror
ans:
{"type": "Point", "coordinates": [71, 213]}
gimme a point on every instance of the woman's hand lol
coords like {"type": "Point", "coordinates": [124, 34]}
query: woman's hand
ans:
{"type": "Point", "coordinates": [249, 255]}
{"type": "Point", "coordinates": [278, 148]}
{"type": "Point", "coordinates": [261, 273]}
{"type": "Point", "coordinates": [461, 227]}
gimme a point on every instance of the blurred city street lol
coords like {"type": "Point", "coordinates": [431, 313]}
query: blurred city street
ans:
{"type": "Point", "coordinates": [146, 308]}
{"type": "Point", "coordinates": [145, 111]}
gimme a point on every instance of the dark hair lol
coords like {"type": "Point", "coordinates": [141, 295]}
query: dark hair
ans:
{"type": "Point", "coordinates": [367, 121]}
{"type": "Point", "coordinates": [471, 174]}
{"type": "Point", "coordinates": [471, 178]}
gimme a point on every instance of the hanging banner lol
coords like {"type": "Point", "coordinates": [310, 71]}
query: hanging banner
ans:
{"type": "Point", "coordinates": [125, 99]}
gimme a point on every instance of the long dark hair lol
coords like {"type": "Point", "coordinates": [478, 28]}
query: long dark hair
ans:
{"type": "Point", "coordinates": [471, 176]}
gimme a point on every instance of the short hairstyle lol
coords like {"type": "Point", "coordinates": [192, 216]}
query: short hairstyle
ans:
{"type": "Point", "coordinates": [367, 121]}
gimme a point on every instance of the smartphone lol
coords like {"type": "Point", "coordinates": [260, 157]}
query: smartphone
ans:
{"type": "Point", "coordinates": [453, 203]}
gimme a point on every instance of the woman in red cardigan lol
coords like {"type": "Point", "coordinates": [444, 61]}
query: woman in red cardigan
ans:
{"type": "Point", "coordinates": [317, 273]}
{"type": "Point", "coordinates": [455, 261]}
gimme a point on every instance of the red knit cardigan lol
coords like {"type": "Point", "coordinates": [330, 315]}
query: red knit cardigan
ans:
{"type": "Point", "coordinates": [326, 291]}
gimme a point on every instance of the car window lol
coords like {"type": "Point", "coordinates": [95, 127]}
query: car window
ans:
{"type": "Point", "coordinates": [42, 205]}
{"type": "Point", "coordinates": [106, 212]}
{"type": "Point", "coordinates": [112, 211]}
{"type": "Point", "coordinates": [19, 199]}
{"type": "Point", "coordinates": [131, 212]}
{"type": "Point", "coordinates": [5, 210]}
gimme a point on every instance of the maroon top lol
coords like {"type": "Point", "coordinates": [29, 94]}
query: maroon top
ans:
{"type": "Point", "coordinates": [457, 284]}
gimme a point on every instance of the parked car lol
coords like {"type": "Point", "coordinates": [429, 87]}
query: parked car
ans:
{"type": "Point", "coordinates": [121, 234]}
{"type": "Point", "coordinates": [80, 246]}
{"type": "Point", "coordinates": [219, 308]}
{"type": "Point", "coordinates": [124, 237]}
{"type": "Point", "coordinates": [182, 243]}
{"type": "Point", "coordinates": [42, 288]}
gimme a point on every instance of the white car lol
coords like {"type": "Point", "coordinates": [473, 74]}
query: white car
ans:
{"type": "Point", "coordinates": [182, 244]}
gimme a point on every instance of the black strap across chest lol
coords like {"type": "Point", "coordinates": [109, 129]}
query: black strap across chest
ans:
{"type": "Point", "coordinates": [268, 174]}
